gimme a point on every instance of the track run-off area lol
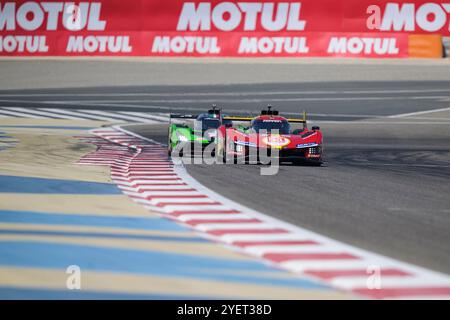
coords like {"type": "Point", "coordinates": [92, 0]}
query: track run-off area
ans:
{"type": "Point", "coordinates": [382, 191]}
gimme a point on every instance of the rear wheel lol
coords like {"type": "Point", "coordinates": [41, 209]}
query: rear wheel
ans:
{"type": "Point", "coordinates": [224, 155]}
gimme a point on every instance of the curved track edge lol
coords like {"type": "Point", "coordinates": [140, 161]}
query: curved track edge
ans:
{"type": "Point", "coordinates": [148, 176]}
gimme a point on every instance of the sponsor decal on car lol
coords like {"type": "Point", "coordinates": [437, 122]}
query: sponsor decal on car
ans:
{"type": "Point", "coordinates": [307, 145]}
{"type": "Point", "coordinates": [276, 141]}
{"type": "Point", "coordinates": [245, 143]}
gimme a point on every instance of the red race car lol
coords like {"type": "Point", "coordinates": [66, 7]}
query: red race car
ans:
{"type": "Point", "coordinates": [269, 135]}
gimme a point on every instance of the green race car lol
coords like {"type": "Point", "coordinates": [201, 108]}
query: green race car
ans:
{"type": "Point", "coordinates": [190, 132]}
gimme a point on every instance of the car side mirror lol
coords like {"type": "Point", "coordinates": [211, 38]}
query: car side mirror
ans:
{"type": "Point", "coordinates": [315, 128]}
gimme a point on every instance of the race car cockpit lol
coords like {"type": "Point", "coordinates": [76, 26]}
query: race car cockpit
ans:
{"type": "Point", "coordinates": [206, 121]}
{"type": "Point", "coordinates": [269, 125]}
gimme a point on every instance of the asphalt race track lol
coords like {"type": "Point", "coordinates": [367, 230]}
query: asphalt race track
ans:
{"type": "Point", "coordinates": [327, 89]}
{"type": "Point", "coordinates": [387, 194]}
{"type": "Point", "coordinates": [324, 101]}
{"type": "Point", "coordinates": [385, 184]}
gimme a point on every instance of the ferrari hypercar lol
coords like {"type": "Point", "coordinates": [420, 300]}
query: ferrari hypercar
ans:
{"type": "Point", "coordinates": [192, 132]}
{"type": "Point", "coordinates": [269, 135]}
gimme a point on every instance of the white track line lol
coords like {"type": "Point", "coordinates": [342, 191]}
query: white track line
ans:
{"type": "Point", "coordinates": [81, 114]}
{"type": "Point", "coordinates": [101, 117]}
{"type": "Point", "coordinates": [155, 185]}
{"type": "Point", "coordinates": [384, 123]}
{"type": "Point", "coordinates": [302, 265]}
{"type": "Point", "coordinates": [387, 282]}
{"type": "Point", "coordinates": [411, 114]}
{"type": "Point", "coordinates": [157, 118]}
{"type": "Point", "coordinates": [46, 114]}
{"type": "Point", "coordinates": [171, 193]}
{"type": "Point", "coordinates": [235, 226]}
{"type": "Point", "coordinates": [116, 115]}
{"type": "Point", "coordinates": [252, 100]}
{"type": "Point", "coordinates": [20, 114]}
{"type": "Point", "coordinates": [211, 216]}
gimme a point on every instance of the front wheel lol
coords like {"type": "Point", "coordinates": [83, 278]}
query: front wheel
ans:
{"type": "Point", "coordinates": [169, 145]}
{"type": "Point", "coordinates": [220, 152]}
{"type": "Point", "coordinates": [229, 158]}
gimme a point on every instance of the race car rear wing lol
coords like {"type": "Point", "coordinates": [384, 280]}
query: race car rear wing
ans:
{"type": "Point", "coordinates": [237, 118]}
{"type": "Point", "coordinates": [213, 111]}
{"type": "Point", "coordinates": [178, 118]}
{"type": "Point", "coordinates": [182, 116]}
{"type": "Point", "coordinates": [291, 120]}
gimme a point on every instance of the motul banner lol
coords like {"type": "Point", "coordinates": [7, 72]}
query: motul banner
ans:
{"type": "Point", "coordinates": [347, 28]}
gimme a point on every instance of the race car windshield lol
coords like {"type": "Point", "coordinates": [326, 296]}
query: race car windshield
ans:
{"type": "Point", "coordinates": [282, 126]}
{"type": "Point", "coordinates": [210, 124]}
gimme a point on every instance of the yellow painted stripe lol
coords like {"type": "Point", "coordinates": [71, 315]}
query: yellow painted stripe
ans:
{"type": "Point", "coordinates": [43, 155]}
{"type": "Point", "coordinates": [203, 249]}
{"type": "Point", "coordinates": [140, 284]}
{"type": "Point", "coordinates": [66, 228]}
{"type": "Point", "coordinates": [105, 205]}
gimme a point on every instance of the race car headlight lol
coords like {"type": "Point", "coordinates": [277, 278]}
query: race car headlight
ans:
{"type": "Point", "coordinates": [182, 138]}
{"type": "Point", "coordinates": [315, 150]}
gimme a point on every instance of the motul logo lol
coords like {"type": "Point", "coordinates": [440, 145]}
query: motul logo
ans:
{"type": "Point", "coordinates": [31, 44]}
{"type": "Point", "coordinates": [31, 16]}
{"type": "Point", "coordinates": [430, 17]}
{"type": "Point", "coordinates": [93, 44]}
{"type": "Point", "coordinates": [366, 45]}
{"type": "Point", "coordinates": [229, 16]}
{"type": "Point", "coordinates": [268, 45]}
{"type": "Point", "coordinates": [187, 44]}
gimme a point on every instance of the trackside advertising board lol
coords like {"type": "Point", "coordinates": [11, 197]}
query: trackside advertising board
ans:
{"type": "Point", "coordinates": [345, 28]}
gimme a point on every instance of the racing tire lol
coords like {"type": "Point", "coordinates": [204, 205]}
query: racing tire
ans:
{"type": "Point", "coordinates": [220, 154]}
{"type": "Point", "coordinates": [169, 144]}
{"type": "Point", "coordinates": [228, 157]}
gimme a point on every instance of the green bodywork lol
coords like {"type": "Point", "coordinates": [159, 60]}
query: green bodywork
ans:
{"type": "Point", "coordinates": [177, 132]}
